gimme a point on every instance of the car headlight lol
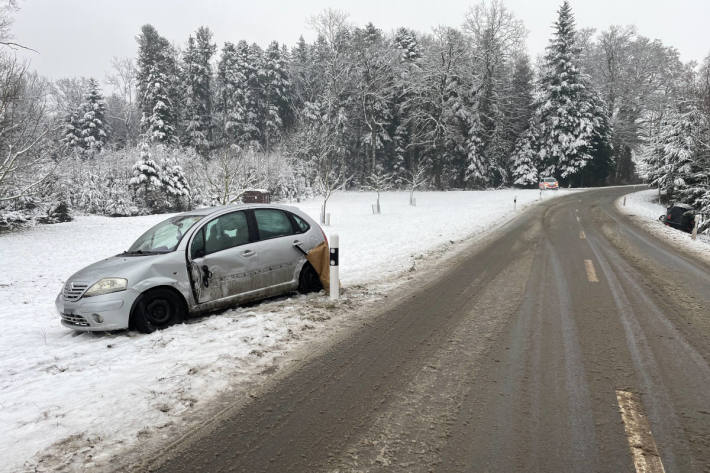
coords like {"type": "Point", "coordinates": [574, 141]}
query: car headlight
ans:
{"type": "Point", "coordinates": [107, 286]}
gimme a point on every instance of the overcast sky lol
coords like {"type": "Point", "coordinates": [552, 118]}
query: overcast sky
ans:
{"type": "Point", "coordinates": [79, 37]}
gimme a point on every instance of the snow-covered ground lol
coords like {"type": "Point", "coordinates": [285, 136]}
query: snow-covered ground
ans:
{"type": "Point", "coordinates": [73, 401]}
{"type": "Point", "coordinates": [643, 206]}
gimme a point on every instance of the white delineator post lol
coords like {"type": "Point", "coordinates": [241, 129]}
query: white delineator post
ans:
{"type": "Point", "coordinates": [334, 265]}
{"type": "Point", "coordinates": [694, 234]}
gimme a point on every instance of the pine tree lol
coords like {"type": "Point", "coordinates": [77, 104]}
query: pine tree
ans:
{"type": "Point", "coordinates": [406, 43]}
{"type": "Point", "coordinates": [146, 178]}
{"type": "Point", "coordinates": [477, 169]}
{"type": "Point", "coordinates": [156, 79]}
{"type": "Point", "coordinates": [231, 96]}
{"type": "Point", "coordinates": [197, 77]}
{"type": "Point", "coordinates": [72, 131]}
{"type": "Point", "coordinates": [526, 160]}
{"type": "Point", "coordinates": [571, 121]}
{"type": "Point", "coordinates": [92, 124]}
{"type": "Point", "coordinates": [174, 182]}
{"type": "Point", "coordinates": [276, 92]}
{"type": "Point", "coordinates": [256, 104]}
{"type": "Point", "coordinates": [676, 152]}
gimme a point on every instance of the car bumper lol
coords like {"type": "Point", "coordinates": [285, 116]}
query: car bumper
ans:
{"type": "Point", "coordinates": [98, 313]}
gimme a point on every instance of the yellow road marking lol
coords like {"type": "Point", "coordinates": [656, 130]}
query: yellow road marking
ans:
{"type": "Point", "coordinates": [638, 432]}
{"type": "Point", "coordinates": [582, 236]}
{"type": "Point", "coordinates": [591, 272]}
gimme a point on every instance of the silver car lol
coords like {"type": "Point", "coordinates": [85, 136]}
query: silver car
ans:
{"type": "Point", "coordinates": [193, 263]}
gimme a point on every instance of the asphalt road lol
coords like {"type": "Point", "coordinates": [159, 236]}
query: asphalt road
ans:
{"type": "Point", "coordinates": [572, 342]}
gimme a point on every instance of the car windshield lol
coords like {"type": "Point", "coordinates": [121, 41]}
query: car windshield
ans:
{"type": "Point", "coordinates": [550, 179]}
{"type": "Point", "coordinates": [165, 236]}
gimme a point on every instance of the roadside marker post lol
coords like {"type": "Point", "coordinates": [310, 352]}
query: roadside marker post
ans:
{"type": "Point", "coordinates": [515, 202]}
{"type": "Point", "coordinates": [327, 219]}
{"type": "Point", "coordinates": [334, 267]}
{"type": "Point", "coordinates": [694, 235]}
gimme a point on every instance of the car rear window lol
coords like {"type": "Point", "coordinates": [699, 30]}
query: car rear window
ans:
{"type": "Point", "coordinates": [272, 223]}
{"type": "Point", "coordinates": [300, 223]}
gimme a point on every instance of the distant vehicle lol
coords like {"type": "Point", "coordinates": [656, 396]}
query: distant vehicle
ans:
{"type": "Point", "coordinates": [549, 183]}
{"type": "Point", "coordinates": [680, 217]}
{"type": "Point", "coordinates": [192, 263]}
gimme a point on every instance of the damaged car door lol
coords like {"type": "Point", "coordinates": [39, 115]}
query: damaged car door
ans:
{"type": "Point", "coordinates": [223, 259]}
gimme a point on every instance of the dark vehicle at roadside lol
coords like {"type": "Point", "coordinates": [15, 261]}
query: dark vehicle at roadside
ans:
{"type": "Point", "coordinates": [680, 217]}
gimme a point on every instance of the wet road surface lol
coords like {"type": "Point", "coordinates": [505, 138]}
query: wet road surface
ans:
{"type": "Point", "coordinates": [572, 342]}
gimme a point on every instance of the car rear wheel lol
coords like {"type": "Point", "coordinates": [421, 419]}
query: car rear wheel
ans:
{"type": "Point", "coordinates": [157, 309]}
{"type": "Point", "coordinates": [309, 281]}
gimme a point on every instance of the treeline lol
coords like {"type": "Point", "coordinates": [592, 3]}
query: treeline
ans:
{"type": "Point", "coordinates": [362, 108]}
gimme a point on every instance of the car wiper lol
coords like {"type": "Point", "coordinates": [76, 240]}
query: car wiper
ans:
{"type": "Point", "coordinates": [139, 253]}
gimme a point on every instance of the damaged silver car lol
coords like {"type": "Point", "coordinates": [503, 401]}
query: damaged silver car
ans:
{"type": "Point", "coordinates": [194, 263]}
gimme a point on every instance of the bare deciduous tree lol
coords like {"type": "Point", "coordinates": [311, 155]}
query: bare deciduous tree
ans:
{"type": "Point", "coordinates": [23, 126]}
{"type": "Point", "coordinates": [379, 181]}
{"type": "Point", "coordinates": [122, 104]}
{"type": "Point", "coordinates": [228, 175]}
{"type": "Point", "coordinates": [415, 178]}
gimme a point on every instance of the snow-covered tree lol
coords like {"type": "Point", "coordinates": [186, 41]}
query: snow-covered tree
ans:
{"type": "Point", "coordinates": [85, 128]}
{"type": "Point", "coordinates": [92, 124]}
{"type": "Point", "coordinates": [146, 179]}
{"type": "Point", "coordinates": [571, 124]}
{"type": "Point", "coordinates": [478, 164]}
{"type": "Point", "coordinates": [156, 81]}
{"type": "Point", "coordinates": [72, 131]}
{"type": "Point", "coordinates": [174, 182]}
{"type": "Point", "coordinates": [408, 46]}
{"type": "Point", "coordinates": [230, 106]}
{"type": "Point", "coordinates": [526, 160]}
{"type": "Point", "coordinates": [675, 152]}
{"type": "Point", "coordinates": [197, 91]}
{"type": "Point", "coordinates": [372, 92]}
{"type": "Point", "coordinates": [275, 88]}
{"type": "Point", "coordinates": [379, 181]}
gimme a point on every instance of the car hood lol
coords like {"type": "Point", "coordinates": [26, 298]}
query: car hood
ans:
{"type": "Point", "coordinates": [116, 266]}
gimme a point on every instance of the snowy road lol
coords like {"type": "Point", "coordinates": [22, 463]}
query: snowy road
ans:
{"type": "Point", "coordinates": [88, 402]}
{"type": "Point", "coordinates": [571, 340]}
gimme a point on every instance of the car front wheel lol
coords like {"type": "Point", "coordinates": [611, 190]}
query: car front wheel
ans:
{"type": "Point", "coordinates": [157, 309]}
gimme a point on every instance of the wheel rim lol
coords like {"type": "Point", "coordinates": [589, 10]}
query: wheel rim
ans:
{"type": "Point", "coordinates": [159, 311]}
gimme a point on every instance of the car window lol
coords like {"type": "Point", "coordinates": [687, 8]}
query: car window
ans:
{"type": "Point", "coordinates": [272, 223]}
{"type": "Point", "coordinates": [300, 223]}
{"type": "Point", "coordinates": [165, 236]}
{"type": "Point", "coordinates": [226, 231]}
{"type": "Point", "coordinates": [197, 248]}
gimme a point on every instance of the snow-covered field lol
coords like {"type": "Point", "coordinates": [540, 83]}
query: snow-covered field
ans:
{"type": "Point", "coordinates": [644, 207]}
{"type": "Point", "coordinates": [73, 401]}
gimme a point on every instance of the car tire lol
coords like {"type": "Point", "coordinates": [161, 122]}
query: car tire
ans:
{"type": "Point", "coordinates": [157, 309]}
{"type": "Point", "coordinates": [308, 280]}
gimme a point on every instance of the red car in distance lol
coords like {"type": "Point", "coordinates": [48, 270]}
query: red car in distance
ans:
{"type": "Point", "coordinates": [549, 183]}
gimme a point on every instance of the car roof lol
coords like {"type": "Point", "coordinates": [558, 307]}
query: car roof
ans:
{"type": "Point", "coordinates": [228, 208]}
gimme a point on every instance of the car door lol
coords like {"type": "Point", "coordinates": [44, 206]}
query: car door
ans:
{"type": "Point", "coordinates": [223, 258]}
{"type": "Point", "coordinates": [278, 257]}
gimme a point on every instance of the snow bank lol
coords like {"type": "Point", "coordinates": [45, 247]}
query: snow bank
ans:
{"type": "Point", "coordinates": [71, 400]}
{"type": "Point", "coordinates": [643, 206]}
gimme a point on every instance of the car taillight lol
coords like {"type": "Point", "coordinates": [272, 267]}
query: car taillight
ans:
{"type": "Point", "coordinates": [668, 216]}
